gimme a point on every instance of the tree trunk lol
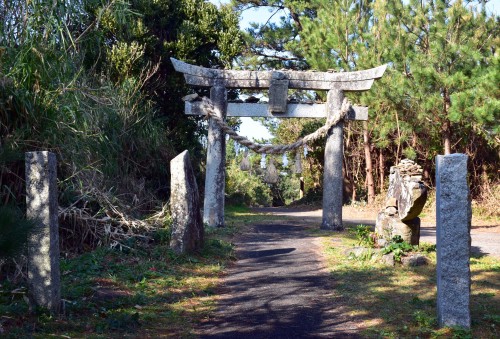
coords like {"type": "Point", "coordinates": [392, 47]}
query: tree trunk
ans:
{"type": "Point", "coordinates": [485, 180]}
{"type": "Point", "coordinates": [427, 174]}
{"type": "Point", "coordinates": [447, 125]}
{"type": "Point", "coordinates": [446, 137]}
{"type": "Point", "coordinates": [381, 169]}
{"type": "Point", "coordinates": [368, 161]}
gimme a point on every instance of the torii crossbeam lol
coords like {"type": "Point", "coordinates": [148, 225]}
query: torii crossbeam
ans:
{"type": "Point", "coordinates": [278, 83]}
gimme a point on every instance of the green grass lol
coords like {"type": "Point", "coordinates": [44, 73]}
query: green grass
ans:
{"type": "Point", "coordinates": [146, 292]}
{"type": "Point", "coordinates": [107, 293]}
{"type": "Point", "coordinates": [400, 302]}
{"type": "Point", "coordinates": [152, 292]}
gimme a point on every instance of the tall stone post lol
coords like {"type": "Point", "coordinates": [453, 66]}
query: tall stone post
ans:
{"type": "Point", "coordinates": [187, 225]}
{"type": "Point", "coordinates": [453, 218]}
{"type": "Point", "coordinates": [332, 176]}
{"type": "Point", "coordinates": [43, 243]}
{"type": "Point", "coordinates": [213, 208]}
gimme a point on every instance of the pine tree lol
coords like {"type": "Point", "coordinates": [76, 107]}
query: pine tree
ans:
{"type": "Point", "coordinates": [450, 46]}
{"type": "Point", "coordinates": [440, 92]}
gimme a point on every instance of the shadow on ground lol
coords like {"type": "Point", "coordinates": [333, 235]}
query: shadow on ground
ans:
{"type": "Point", "coordinates": [278, 289]}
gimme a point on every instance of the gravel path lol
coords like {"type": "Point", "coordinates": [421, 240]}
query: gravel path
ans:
{"type": "Point", "coordinates": [278, 289]}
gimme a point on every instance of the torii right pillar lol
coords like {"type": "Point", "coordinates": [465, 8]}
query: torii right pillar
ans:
{"type": "Point", "coordinates": [332, 176]}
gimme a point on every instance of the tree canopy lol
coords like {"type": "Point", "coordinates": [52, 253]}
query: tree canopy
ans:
{"type": "Point", "coordinates": [91, 80]}
{"type": "Point", "coordinates": [439, 94]}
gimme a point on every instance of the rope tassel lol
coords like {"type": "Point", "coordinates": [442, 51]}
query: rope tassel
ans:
{"type": "Point", "coordinates": [271, 176]}
{"type": "Point", "coordinates": [245, 163]}
{"type": "Point", "coordinates": [298, 163]}
{"type": "Point", "coordinates": [285, 160]}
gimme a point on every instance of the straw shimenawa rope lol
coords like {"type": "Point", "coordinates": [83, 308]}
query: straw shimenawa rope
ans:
{"type": "Point", "coordinates": [213, 112]}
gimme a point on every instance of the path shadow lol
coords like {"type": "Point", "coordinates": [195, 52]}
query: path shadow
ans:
{"type": "Point", "coordinates": [477, 252]}
{"type": "Point", "coordinates": [265, 253]}
{"type": "Point", "coordinates": [277, 289]}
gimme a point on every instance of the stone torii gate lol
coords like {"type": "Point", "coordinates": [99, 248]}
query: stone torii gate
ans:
{"type": "Point", "coordinates": [278, 83]}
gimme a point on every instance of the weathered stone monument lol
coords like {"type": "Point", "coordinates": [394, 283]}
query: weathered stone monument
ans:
{"type": "Point", "coordinates": [405, 200]}
{"type": "Point", "coordinates": [187, 224]}
{"type": "Point", "coordinates": [43, 242]}
{"type": "Point", "coordinates": [453, 221]}
{"type": "Point", "coordinates": [278, 83]}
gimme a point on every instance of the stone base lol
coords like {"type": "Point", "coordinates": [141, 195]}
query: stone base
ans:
{"type": "Point", "coordinates": [387, 227]}
{"type": "Point", "coordinates": [414, 260]}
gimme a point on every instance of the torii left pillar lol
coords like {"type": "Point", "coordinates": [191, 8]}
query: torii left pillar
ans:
{"type": "Point", "coordinates": [213, 207]}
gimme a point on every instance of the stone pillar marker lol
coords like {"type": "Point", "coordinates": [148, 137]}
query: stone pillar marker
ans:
{"type": "Point", "coordinates": [332, 176]}
{"type": "Point", "coordinates": [213, 207]}
{"type": "Point", "coordinates": [187, 224]}
{"type": "Point", "coordinates": [453, 220]}
{"type": "Point", "coordinates": [43, 243]}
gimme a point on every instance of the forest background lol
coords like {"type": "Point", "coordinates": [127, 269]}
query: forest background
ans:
{"type": "Point", "coordinates": [91, 81]}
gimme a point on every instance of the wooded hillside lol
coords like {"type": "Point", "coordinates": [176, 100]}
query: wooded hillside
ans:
{"type": "Point", "coordinates": [92, 82]}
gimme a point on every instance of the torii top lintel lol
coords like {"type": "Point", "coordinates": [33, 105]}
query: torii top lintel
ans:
{"type": "Point", "coordinates": [346, 81]}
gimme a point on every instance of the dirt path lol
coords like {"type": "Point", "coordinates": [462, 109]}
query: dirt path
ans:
{"type": "Point", "coordinates": [485, 235]}
{"type": "Point", "coordinates": [278, 289]}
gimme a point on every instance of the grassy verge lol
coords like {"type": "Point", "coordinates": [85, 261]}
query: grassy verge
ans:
{"type": "Point", "coordinates": [151, 292]}
{"type": "Point", "coordinates": [108, 293]}
{"type": "Point", "coordinates": [144, 292]}
{"type": "Point", "coordinates": [400, 302]}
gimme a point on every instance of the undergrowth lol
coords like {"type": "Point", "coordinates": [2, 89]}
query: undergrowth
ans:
{"type": "Point", "coordinates": [146, 291]}
{"type": "Point", "coordinates": [398, 247]}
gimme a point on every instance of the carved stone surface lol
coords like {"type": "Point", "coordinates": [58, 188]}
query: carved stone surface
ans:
{"type": "Point", "coordinates": [278, 94]}
{"type": "Point", "coordinates": [43, 243]}
{"type": "Point", "coordinates": [406, 198]}
{"type": "Point", "coordinates": [346, 81]}
{"type": "Point", "coordinates": [244, 109]}
{"type": "Point", "coordinates": [187, 225]}
{"type": "Point", "coordinates": [388, 226]}
{"type": "Point", "coordinates": [453, 221]}
{"type": "Point", "coordinates": [408, 190]}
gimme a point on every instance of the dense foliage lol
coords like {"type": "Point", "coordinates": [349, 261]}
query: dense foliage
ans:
{"type": "Point", "coordinates": [439, 94]}
{"type": "Point", "coordinates": [14, 230]}
{"type": "Point", "coordinates": [249, 187]}
{"type": "Point", "coordinates": [92, 81]}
